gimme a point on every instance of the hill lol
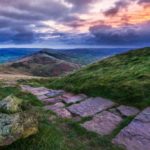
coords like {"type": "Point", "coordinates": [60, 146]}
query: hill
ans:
{"type": "Point", "coordinates": [39, 64]}
{"type": "Point", "coordinates": [83, 56]}
{"type": "Point", "coordinates": [125, 78]}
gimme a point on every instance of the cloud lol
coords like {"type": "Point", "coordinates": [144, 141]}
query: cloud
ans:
{"type": "Point", "coordinates": [144, 1]}
{"type": "Point", "coordinates": [81, 5]}
{"type": "Point", "coordinates": [26, 21]}
{"type": "Point", "coordinates": [125, 35]}
{"type": "Point", "coordinates": [118, 6]}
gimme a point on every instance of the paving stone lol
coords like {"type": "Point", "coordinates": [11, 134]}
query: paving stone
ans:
{"type": "Point", "coordinates": [54, 93]}
{"type": "Point", "coordinates": [59, 109]}
{"type": "Point", "coordinates": [42, 97]}
{"type": "Point", "coordinates": [90, 106]}
{"type": "Point", "coordinates": [103, 123]}
{"type": "Point", "coordinates": [63, 113]}
{"type": "Point", "coordinates": [52, 100]}
{"type": "Point", "coordinates": [55, 106]}
{"type": "Point", "coordinates": [128, 111]}
{"type": "Point", "coordinates": [115, 111]}
{"type": "Point", "coordinates": [136, 136]}
{"type": "Point", "coordinates": [70, 98]}
{"type": "Point", "coordinates": [39, 92]}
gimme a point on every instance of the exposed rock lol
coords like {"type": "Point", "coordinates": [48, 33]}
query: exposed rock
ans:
{"type": "Point", "coordinates": [59, 109]}
{"type": "Point", "coordinates": [55, 106]}
{"type": "Point", "coordinates": [16, 126]}
{"type": "Point", "coordinates": [70, 98]}
{"type": "Point", "coordinates": [54, 93]}
{"type": "Point", "coordinates": [103, 123]}
{"type": "Point", "coordinates": [42, 97]}
{"type": "Point", "coordinates": [136, 136]}
{"type": "Point", "coordinates": [115, 111]}
{"type": "Point", "coordinates": [52, 100]}
{"type": "Point", "coordinates": [128, 111]}
{"type": "Point", "coordinates": [90, 106]}
{"type": "Point", "coordinates": [38, 91]}
{"type": "Point", "coordinates": [10, 104]}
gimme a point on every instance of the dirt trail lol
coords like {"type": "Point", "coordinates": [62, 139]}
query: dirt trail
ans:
{"type": "Point", "coordinates": [12, 77]}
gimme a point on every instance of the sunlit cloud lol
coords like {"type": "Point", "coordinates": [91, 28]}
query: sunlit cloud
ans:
{"type": "Point", "coordinates": [68, 21]}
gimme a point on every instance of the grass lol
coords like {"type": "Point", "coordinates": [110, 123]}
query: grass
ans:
{"type": "Point", "coordinates": [63, 135]}
{"type": "Point", "coordinates": [124, 78]}
{"type": "Point", "coordinates": [27, 97]}
{"type": "Point", "coordinates": [55, 135]}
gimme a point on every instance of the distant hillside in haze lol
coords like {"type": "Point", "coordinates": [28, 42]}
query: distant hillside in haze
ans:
{"type": "Point", "coordinates": [39, 64]}
{"type": "Point", "coordinates": [50, 62]}
{"type": "Point", "coordinates": [84, 56]}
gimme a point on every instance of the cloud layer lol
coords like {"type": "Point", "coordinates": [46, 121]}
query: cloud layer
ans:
{"type": "Point", "coordinates": [75, 22]}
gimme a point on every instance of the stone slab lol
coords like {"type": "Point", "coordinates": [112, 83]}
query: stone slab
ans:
{"type": "Point", "coordinates": [128, 110]}
{"type": "Point", "coordinates": [42, 97]}
{"type": "Point", "coordinates": [54, 93]}
{"type": "Point", "coordinates": [59, 109]}
{"type": "Point", "coordinates": [136, 136]}
{"type": "Point", "coordinates": [55, 106]}
{"type": "Point", "coordinates": [52, 100]}
{"type": "Point", "coordinates": [90, 106]}
{"type": "Point", "coordinates": [70, 98]}
{"type": "Point", "coordinates": [103, 123]}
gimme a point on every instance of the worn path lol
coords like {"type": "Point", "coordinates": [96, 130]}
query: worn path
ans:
{"type": "Point", "coordinates": [105, 115]}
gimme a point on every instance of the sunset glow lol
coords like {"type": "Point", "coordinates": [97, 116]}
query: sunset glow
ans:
{"type": "Point", "coordinates": [58, 19]}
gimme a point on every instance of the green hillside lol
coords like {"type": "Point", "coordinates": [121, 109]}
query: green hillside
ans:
{"type": "Point", "coordinates": [125, 78]}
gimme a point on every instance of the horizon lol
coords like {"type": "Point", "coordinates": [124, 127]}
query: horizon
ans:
{"type": "Point", "coordinates": [74, 24]}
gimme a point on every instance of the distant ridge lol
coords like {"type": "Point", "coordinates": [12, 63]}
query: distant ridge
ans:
{"type": "Point", "coordinates": [39, 64]}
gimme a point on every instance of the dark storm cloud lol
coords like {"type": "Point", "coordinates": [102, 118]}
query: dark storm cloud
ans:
{"type": "Point", "coordinates": [19, 18]}
{"type": "Point", "coordinates": [118, 6]}
{"type": "Point", "coordinates": [144, 1]}
{"type": "Point", "coordinates": [126, 35]}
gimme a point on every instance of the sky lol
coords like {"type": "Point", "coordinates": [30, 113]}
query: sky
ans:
{"type": "Point", "coordinates": [74, 23]}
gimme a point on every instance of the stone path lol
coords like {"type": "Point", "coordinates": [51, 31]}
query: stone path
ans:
{"type": "Point", "coordinates": [105, 115]}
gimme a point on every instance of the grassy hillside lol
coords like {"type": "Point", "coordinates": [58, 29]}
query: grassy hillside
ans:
{"type": "Point", "coordinates": [125, 78]}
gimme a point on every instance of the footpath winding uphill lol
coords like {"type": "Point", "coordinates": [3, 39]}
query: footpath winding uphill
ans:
{"type": "Point", "coordinates": [105, 115]}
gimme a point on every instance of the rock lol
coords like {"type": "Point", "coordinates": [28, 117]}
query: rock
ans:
{"type": "Point", "coordinates": [136, 136]}
{"type": "Point", "coordinates": [90, 106]}
{"type": "Point", "coordinates": [52, 100]}
{"type": "Point", "coordinates": [70, 98]}
{"type": "Point", "coordinates": [42, 97]}
{"type": "Point", "coordinates": [59, 109]}
{"type": "Point", "coordinates": [38, 91]}
{"type": "Point", "coordinates": [63, 113]}
{"type": "Point", "coordinates": [16, 126]}
{"type": "Point", "coordinates": [128, 111]}
{"type": "Point", "coordinates": [115, 111]}
{"type": "Point", "coordinates": [11, 104]}
{"type": "Point", "coordinates": [55, 106]}
{"type": "Point", "coordinates": [103, 123]}
{"type": "Point", "coordinates": [54, 93]}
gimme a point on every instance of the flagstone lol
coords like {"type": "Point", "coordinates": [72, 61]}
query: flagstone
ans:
{"type": "Point", "coordinates": [59, 109]}
{"type": "Point", "coordinates": [136, 136]}
{"type": "Point", "coordinates": [70, 98]}
{"type": "Point", "coordinates": [54, 93]}
{"type": "Point", "coordinates": [128, 110]}
{"type": "Point", "coordinates": [90, 106]}
{"type": "Point", "coordinates": [103, 123]}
